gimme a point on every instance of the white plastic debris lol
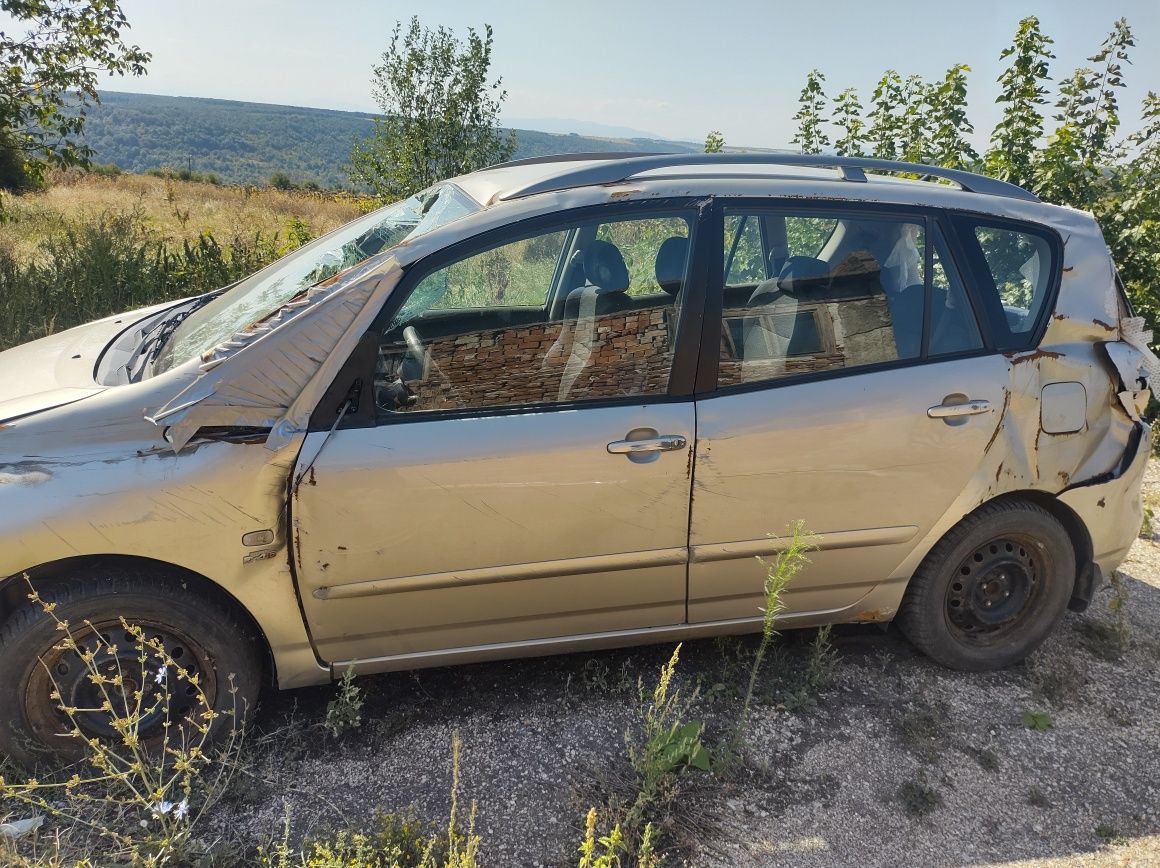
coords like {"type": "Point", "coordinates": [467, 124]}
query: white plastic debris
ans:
{"type": "Point", "coordinates": [18, 829]}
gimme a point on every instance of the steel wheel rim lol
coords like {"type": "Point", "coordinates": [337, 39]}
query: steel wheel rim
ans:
{"type": "Point", "coordinates": [994, 588]}
{"type": "Point", "coordinates": [165, 695]}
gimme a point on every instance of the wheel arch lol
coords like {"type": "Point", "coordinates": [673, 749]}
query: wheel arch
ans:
{"type": "Point", "coordinates": [13, 590]}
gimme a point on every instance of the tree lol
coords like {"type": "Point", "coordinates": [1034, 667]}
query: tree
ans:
{"type": "Point", "coordinates": [950, 127]}
{"type": "Point", "coordinates": [714, 142]}
{"type": "Point", "coordinates": [848, 118]}
{"type": "Point", "coordinates": [1130, 215]}
{"type": "Point", "coordinates": [1017, 134]}
{"type": "Point", "coordinates": [812, 102]}
{"type": "Point", "coordinates": [439, 112]}
{"type": "Point", "coordinates": [1072, 165]}
{"type": "Point", "coordinates": [887, 104]}
{"type": "Point", "coordinates": [914, 124]}
{"type": "Point", "coordinates": [48, 77]}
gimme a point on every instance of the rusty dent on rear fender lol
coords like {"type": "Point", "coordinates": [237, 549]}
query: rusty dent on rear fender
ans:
{"type": "Point", "coordinates": [1021, 455]}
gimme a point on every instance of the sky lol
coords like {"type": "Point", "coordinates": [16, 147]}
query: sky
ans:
{"type": "Point", "coordinates": [676, 69]}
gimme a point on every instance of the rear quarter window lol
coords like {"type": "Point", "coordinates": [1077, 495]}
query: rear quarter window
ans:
{"type": "Point", "coordinates": [1016, 271]}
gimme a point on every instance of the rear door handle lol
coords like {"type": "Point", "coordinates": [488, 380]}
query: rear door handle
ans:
{"type": "Point", "coordinates": [952, 411]}
{"type": "Point", "coordinates": [661, 443]}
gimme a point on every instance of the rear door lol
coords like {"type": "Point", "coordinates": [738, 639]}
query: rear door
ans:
{"type": "Point", "coordinates": [526, 474]}
{"type": "Point", "coordinates": [850, 390]}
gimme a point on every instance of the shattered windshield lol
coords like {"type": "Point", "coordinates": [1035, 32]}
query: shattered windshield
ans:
{"type": "Point", "coordinates": [273, 286]}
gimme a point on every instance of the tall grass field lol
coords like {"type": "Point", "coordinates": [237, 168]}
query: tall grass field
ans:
{"type": "Point", "coordinates": [91, 245]}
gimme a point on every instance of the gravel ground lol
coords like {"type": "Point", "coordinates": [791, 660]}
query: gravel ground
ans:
{"type": "Point", "coordinates": [899, 761]}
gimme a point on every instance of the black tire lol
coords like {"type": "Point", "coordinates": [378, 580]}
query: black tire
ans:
{"type": "Point", "coordinates": [201, 633]}
{"type": "Point", "coordinates": [991, 590]}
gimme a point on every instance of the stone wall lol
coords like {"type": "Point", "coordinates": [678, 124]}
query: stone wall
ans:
{"type": "Point", "coordinates": [853, 331]}
{"type": "Point", "coordinates": [610, 356]}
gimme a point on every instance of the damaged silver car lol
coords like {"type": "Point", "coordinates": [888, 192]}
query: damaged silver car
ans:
{"type": "Point", "coordinates": [566, 404]}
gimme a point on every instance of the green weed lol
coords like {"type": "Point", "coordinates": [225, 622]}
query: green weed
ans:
{"type": "Point", "coordinates": [344, 712]}
{"type": "Point", "coordinates": [1038, 721]}
{"type": "Point", "coordinates": [397, 841]}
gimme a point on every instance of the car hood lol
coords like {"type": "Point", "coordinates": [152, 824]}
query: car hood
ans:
{"type": "Point", "coordinates": [58, 369]}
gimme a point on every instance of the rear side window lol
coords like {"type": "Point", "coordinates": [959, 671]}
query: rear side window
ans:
{"type": "Point", "coordinates": [859, 295]}
{"type": "Point", "coordinates": [1016, 270]}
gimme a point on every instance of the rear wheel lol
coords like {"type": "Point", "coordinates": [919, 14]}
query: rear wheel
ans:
{"type": "Point", "coordinates": [992, 589]}
{"type": "Point", "coordinates": [199, 656]}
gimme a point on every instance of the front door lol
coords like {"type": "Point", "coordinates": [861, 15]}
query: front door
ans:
{"type": "Point", "coordinates": [528, 474]}
{"type": "Point", "coordinates": [854, 395]}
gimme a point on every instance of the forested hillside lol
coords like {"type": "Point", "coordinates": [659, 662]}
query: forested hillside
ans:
{"type": "Point", "coordinates": [244, 142]}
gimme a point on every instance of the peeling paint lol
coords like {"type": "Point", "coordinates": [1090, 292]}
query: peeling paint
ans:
{"type": "Point", "coordinates": [1033, 356]}
{"type": "Point", "coordinates": [871, 616]}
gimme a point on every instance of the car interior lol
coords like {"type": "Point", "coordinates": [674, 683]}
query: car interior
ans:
{"type": "Point", "coordinates": [600, 332]}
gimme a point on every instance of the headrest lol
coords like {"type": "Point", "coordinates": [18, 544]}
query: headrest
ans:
{"type": "Point", "coordinates": [670, 264]}
{"type": "Point", "coordinates": [604, 266]}
{"type": "Point", "coordinates": [803, 273]}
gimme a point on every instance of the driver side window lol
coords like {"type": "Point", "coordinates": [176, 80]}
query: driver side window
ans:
{"type": "Point", "coordinates": [553, 318]}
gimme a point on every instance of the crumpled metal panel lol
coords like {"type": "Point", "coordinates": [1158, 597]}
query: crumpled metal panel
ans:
{"type": "Point", "coordinates": [266, 375]}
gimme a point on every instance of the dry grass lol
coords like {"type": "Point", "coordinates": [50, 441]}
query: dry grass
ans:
{"type": "Point", "coordinates": [178, 210]}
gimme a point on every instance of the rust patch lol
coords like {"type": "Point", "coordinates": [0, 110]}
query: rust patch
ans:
{"type": "Point", "coordinates": [999, 427]}
{"type": "Point", "coordinates": [1064, 478]}
{"type": "Point", "coordinates": [1102, 502]}
{"type": "Point", "coordinates": [1058, 315]}
{"type": "Point", "coordinates": [1038, 354]}
{"type": "Point", "coordinates": [311, 480]}
{"type": "Point", "coordinates": [869, 615]}
{"type": "Point", "coordinates": [1068, 268]}
{"type": "Point", "coordinates": [1103, 325]}
{"type": "Point", "coordinates": [998, 470]}
{"type": "Point", "coordinates": [342, 548]}
{"type": "Point", "coordinates": [324, 567]}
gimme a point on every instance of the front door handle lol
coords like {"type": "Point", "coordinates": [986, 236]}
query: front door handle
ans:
{"type": "Point", "coordinates": [953, 411]}
{"type": "Point", "coordinates": [660, 443]}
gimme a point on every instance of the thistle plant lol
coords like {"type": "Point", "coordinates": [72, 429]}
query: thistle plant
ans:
{"type": "Point", "coordinates": [143, 787]}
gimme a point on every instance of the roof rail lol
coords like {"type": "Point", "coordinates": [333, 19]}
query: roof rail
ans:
{"type": "Point", "coordinates": [619, 168]}
{"type": "Point", "coordinates": [571, 158]}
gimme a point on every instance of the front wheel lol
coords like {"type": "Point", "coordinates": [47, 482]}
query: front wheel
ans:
{"type": "Point", "coordinates": [991, 590]}
{"type": "Point", "coordinates": [178, 665]}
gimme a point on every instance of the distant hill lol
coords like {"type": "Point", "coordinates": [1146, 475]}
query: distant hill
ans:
{"type": "Point", "coordinates": [246, 142]}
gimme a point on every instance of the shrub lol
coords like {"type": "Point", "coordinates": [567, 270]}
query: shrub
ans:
{"type": "Point", "coordinates": [281, 181]}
